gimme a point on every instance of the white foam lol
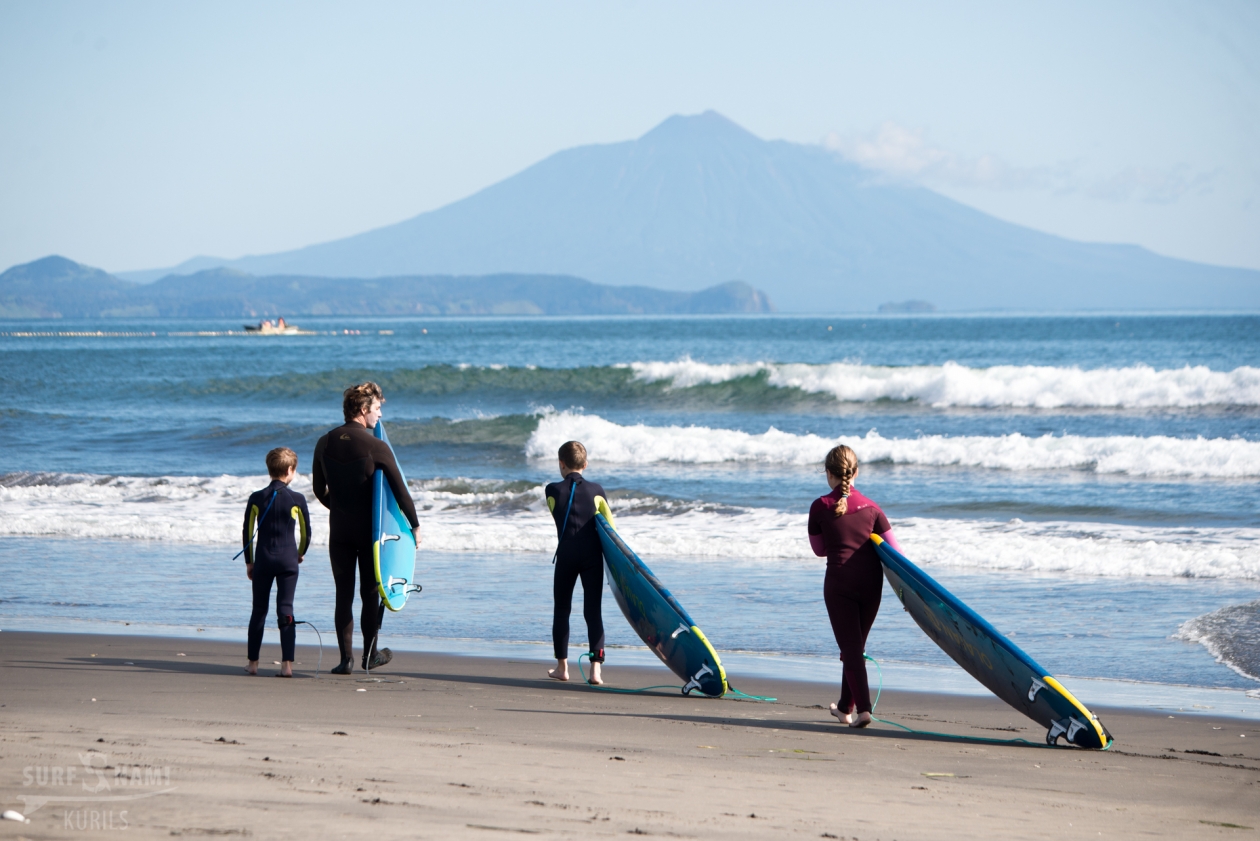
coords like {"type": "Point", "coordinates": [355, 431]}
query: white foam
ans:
{"type": "Point", "coordinates": [951, 384]}
{"type": "Point", "coordinates": [187, 509]}
{"type": "Point", "coordinates": [1158, 455]}
{"type": "Point", "coordinates": [485, 517]}
{"type": "Point", "coordinates": [1231, 635]}
{"type": "Point", "coordinates": [1081, 549]}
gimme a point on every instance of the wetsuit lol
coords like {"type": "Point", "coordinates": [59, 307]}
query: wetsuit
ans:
{"type": "Point", "coordinates": [346, 458]}
{"type": "Point", "coordinates": [854, 583]}
{"type": "Point", "coordinates": [270, 515]}
{"type": "Point", "coordinates": [579, 555]}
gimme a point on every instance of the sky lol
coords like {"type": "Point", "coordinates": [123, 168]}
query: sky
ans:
{"type": "Point", "coordinates": [137, 135]}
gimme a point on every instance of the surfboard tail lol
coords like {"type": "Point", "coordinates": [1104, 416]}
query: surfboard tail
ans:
{"type": "Point", "coordinates": [657, 617]}
{"type": "Point", "coordinates": [988, 656]}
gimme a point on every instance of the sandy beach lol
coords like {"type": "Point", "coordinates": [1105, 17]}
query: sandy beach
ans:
{"type": "Point", "coordinates": [167, 737]}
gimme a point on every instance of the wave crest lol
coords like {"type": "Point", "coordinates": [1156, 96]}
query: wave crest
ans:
{"type": "Point", "coordinates": [954, 385]}
{"type": "Point", "coordinates": [686, 382]}
{"type": "Point", "coordinates": [1225, 458]}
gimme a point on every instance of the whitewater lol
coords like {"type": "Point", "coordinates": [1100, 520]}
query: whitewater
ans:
{"type": "Point", "coordinates": [485, 517]}
{"type": "Point", "coordinates": [1222, 458]}
{"type": "Point", "coordinates": [954, 385]}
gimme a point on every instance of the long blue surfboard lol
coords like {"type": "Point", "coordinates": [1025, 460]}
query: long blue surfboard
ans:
{"type": "Point", "coordinates": [656, 616]}
{"type": "Point", "coordinates": [393, 544]}
{"type": "Point", "coordinates": [990, 657]}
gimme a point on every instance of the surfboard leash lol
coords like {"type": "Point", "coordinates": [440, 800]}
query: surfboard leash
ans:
{"type": "Point", "coordinates": [985, 739]}
{"type": "Point", "coordinates": [730, 690]}
{"type": "Point", "coordinates": [602, 688]}
{"type": "Point", "coordinates": [258, 522]}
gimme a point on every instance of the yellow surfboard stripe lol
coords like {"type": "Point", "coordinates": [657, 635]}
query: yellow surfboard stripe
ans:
{"type": "Point", "coordinates": [1089, 717]}
{"type": "Point", "coordinates": [721, 669]}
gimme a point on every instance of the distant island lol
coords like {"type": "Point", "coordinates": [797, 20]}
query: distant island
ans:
{"type": "Point", "coordinates": [56, 287]}
{"type": "Point", "coordinates": [907, 306]}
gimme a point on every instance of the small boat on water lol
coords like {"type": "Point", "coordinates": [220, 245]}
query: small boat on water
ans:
{"type": "Point", "coordinates": [267, 327]}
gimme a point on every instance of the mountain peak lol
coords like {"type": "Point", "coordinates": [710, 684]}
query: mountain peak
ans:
{"type": "Point", "coordinates": [706, 127]}
{"type": "Point", "coordinates": [698, 200]}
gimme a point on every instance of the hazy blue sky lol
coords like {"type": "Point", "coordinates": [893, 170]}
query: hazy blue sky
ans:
{"type": "Point", "coordinates": [135, 135]}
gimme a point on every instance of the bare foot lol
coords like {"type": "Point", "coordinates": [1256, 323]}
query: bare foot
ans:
{"type": "Point", "coordinates": [845, 718]}
{"type": "Point", "coordinates": [252, 667]}
{"type": "Point", "coordinates": [862, 720]}
{"type": "Point", "coordinates": [286, 668]}
{"type": "Point", "coordinates": [560, 672]}
{"type": "Point", "coordinates": [597, 679]}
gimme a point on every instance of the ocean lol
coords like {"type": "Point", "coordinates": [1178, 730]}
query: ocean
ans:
{"type": "Point", "coordinates": [1088, 484]}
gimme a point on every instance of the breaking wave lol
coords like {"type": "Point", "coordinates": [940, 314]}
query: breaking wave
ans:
{"type": "Point", "coordinates": [951, 384]}
{"type": "Point", "coordinates": [686, 382]}
{"type": "Point", "coordinates": [1223, 458]}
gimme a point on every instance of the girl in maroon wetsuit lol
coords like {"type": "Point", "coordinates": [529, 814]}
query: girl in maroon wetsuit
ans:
{"type": "Point", "coordinates": [840, 527]}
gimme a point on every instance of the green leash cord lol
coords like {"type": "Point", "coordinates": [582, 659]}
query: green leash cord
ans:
{"type": "Point", "coordinates": [729, 691]}
{"type": "Point", "coordinates": [984, 739]}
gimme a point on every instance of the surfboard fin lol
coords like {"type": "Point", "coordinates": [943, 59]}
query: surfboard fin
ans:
{"type": "Point", "coordinates": [681, 629]}
{"type": "Point", "coordinates": [1036, 687]}
{"type": "Point", "coordinates": [1067, 728]}
{"type": "Point", "coordinates": [694, 683]}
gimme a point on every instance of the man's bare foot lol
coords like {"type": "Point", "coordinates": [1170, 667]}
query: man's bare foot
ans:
{"type": "Point", "coordinates": [597, 679]}
{"type": "Point", "coordinates": [845, 718]}
{"type": "Point", "coordinates": [560, 672]}
{"type": "Point", "coordinates": [861, 720]}
{"type": "Point", "coordinates": [286, 669]}
{"type": "Point", "coordinates": [251, 668]}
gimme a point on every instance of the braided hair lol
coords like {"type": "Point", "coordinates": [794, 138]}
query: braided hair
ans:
{"type": "Point", "coordinates": [842, 463]}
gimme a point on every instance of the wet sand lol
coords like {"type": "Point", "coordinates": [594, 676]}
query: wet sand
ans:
{"type": "Point", "coordinates": [168, 737]}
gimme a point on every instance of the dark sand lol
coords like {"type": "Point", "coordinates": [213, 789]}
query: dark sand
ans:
{"type": "Point", "coordinates": [461, 747]}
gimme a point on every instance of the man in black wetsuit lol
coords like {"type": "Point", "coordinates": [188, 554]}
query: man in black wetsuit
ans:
{"type": "Point", "coordinates": [345, 460]}
{"type": "Point", "coordinates": [579, 555]}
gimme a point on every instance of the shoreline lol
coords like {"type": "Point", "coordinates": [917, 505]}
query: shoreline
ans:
{"type": "Point", "coordinates": [442, 746]}
{"type": "Point", "coordinates": [898, 676]}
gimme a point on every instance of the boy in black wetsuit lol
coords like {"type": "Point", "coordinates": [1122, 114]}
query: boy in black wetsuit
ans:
{"type": "Point", "coordinates": [271, 515]}
{"type": "Point", "coordinates": [579, 555]}
{"type": "Point", "coordinates": [346, 459]}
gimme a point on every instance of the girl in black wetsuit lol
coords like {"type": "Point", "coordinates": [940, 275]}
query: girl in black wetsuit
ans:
{"type": "Point", "coordinates": [840, 527]}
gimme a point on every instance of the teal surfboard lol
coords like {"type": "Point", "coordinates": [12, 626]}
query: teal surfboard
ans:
{"type": "Point", "coordinates": [988, 656]}
{"type": "Point", "coordinates": [393, 544]}
{"type": "Point", "coordinates": [656, 616]}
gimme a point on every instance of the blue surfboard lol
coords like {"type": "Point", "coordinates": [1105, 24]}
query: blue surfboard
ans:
{"type": "Point", "coordinates": [990, 657]}
{"type": "Point", "coordinates": [656, 616]}
{"type": "Point", "coordinates": [393, 544]}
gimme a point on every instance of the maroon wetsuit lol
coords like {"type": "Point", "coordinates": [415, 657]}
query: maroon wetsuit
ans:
{"type": "Point", "coordinates": [854, 583]}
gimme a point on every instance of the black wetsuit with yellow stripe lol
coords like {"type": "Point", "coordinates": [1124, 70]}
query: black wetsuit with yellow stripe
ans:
{"type": "Point", "coordinates": [579, 555]}
{"type": "Point", "coordinates": [278, 520]}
